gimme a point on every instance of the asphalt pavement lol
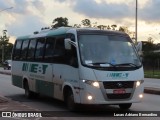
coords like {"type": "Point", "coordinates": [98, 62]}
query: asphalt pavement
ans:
{"type": "Point", "coordinates": [151, 86]}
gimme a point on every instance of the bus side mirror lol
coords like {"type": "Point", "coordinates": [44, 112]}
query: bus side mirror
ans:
{"type": "Point", "coordinates": [67, 43]}
{"type": "Point", "coordinates": [139, 48]}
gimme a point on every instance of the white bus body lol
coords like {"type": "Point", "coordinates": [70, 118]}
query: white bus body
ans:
{"type": "Point", "coordinates": [79, 66]}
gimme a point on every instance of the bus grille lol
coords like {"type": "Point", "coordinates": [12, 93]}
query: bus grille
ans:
{"type": "Point", "coordinates": [118, 84]}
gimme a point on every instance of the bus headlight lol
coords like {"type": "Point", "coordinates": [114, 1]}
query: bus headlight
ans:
{"type": "Point", "coordinates": [141, 96]}
{"type": "Point", "coordinates": [138, 83]}
{"type": "Point", "coordinates": [89, 97]}
{"type": "Point", "coordinates": [92, 83]}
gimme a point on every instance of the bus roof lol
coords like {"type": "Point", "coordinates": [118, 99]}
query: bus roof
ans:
{"type": "Point", "coordinates": [63, 30]}
{"type": "Point", "coordinates": [49, 32]}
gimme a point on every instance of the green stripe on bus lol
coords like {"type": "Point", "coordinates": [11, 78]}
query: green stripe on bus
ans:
{"type": "Point", "coordinates": [23, 37]}
{"type": "Point", "coordinates": [45, 88]}
{"type": "Point", "coordinates": [59, 31]}
{"type": "Point", "coordinates": [17, 81]}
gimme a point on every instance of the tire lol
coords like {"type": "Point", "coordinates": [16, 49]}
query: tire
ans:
{"type": "Point", "coordinates": [70, 101]}
{"type": "Point", "coordinates": [28, 93]}
{"type": "Point", "coordinates": [125, 106]}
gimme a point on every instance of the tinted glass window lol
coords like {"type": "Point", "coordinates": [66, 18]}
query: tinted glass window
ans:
{"type": "Point", "coordinates": [40, 49]}
{"type": "Point", "coordinates": [50, 43]}
{"type": "Point", "coordinates": [107, 51]}
{"type": "Point", "coordinates": [59, 51]}
{"type": "Point", "coordinates": [17, 50]}
{"type": "Point", "coordinates": [24, 49]}
{"type": "Point", "coordinates": [31, 49]}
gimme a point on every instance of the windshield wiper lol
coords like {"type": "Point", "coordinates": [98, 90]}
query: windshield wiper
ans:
{"type": "Point", "coordinates": [126, 64]}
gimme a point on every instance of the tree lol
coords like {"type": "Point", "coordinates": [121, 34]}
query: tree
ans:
{"type": "Point", "coordinates": [108, 27]}
{"type": "Point", "coordinates": [94, 24]}
{"type": "Point", "coordinates": [102, 27]}
{"type": "Point", "coordinates": [148, 46]}
{"type": "Point", "coordinates": [126, 30]}
{"type": "Point", "coordinates": [60, 22]}
{"type": "Point", "coordinates": [150, 40]}
{"type": "Point", "coordinates": [86, 23]}
{"type": "Point", "coordinates": [5, 46]}
{"type": "Point", "coordinates": [77, 25]}
{"type": "Point", "coordinates": [114, 27]}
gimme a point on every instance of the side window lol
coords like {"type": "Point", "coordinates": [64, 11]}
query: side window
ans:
{"type": "Point", "coordinates": [24, 49]}
{"type": "Point", "coordinates": [59, 51]}
{"type": "Point", "coordinates": [17, 50]}
{"type": "Point", "coordinates": [49, 47]}
{"type": "Point", "coordinates": [40, 49]}
{"type": "Point", "coordinates": [31, 49]}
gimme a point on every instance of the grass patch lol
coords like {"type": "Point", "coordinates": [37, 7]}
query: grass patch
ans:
{"type": "Point", "coordinates": [152, 74]}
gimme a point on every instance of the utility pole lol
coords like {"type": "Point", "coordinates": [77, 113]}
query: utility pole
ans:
{"type": "Point", "coordinates": [136, 29]}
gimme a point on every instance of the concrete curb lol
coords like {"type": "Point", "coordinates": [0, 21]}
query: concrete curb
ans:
{"type": "Point", "coordinates": [3, 99]}
{"type": "Point", "coordinates": [151, 90]}
{"type": "Point", "coordinates": [5, 72]}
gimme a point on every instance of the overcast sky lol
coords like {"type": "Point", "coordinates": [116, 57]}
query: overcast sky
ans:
{"type": "Point", "coordinates": [28, 16]}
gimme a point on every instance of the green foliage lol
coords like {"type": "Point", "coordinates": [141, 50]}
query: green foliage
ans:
{"type": "Point", "coordinates": [101, 27]}
{"type": "Point", "coordinates": [86, 23]}
{"type": "Point", "coordinates": [148, 47]}
{"type": "Point", "coordinates": [5, 47]}
{"type": "Point", "coordinates": [60, 22]}
{"type": "Point", "coordinates": [113, 27]}
{"type": "Point", "coordinates": [152, 74]}
{"type": "Point", "coordinates": [151, 56]}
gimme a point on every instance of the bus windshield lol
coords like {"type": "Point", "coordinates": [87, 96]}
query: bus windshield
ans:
{"type": "Point", "coordinates": [107, 51]}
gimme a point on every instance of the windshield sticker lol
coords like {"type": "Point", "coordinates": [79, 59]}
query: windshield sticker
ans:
{"type": "Point", "coordinates": [118, 75]}
{"type": "Point", "coordinates": [105, 65]}
{"type": "Point", "coordinates": [88, 61]}
{"type": "Point", "coordinates": [113, 62]}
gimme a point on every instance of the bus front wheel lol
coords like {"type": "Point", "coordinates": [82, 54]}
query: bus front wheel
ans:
{"type": "Point", "coordinates": [70, 101]}
{"type": "Point", "coordinates": [125, 106]}
{"type": "Point", "coordinates": [28, 93]}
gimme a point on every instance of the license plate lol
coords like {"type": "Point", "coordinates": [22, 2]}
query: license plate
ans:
{"type": "Point", "coordinates": [119, 91]}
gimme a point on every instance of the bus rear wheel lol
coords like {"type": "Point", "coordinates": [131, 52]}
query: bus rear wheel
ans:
{"type": "Point", "coordinates": [125, 106]}
{"type": "Point", "coordinates": [28, 93]}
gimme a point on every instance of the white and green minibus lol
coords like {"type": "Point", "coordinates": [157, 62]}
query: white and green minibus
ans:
{"type": "Point", "coordinates": [79, 66]}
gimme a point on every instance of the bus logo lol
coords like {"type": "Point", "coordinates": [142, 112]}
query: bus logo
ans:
{"type": "Point", "coordinates": [34, 68]}
{"type": "Point", "coordinates": [118, 75]}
